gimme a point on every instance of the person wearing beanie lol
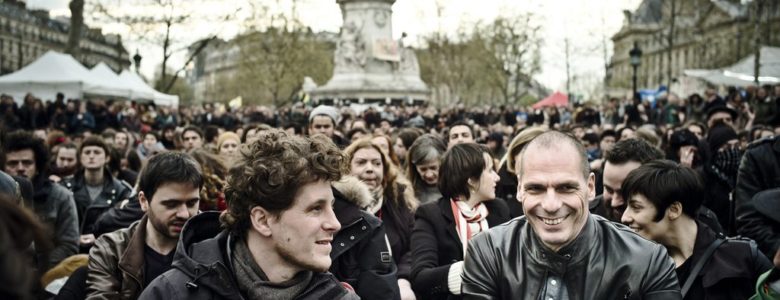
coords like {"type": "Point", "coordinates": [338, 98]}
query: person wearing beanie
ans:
{"type": "Point", "coordinates": [323, 120]}
{"type": "Point", "coordinates": [720, 173]}
{"type": "Point", "coordinates": [227, 143]}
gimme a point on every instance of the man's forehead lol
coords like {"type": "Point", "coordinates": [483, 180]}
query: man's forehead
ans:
{"type": "Point", "coordinates": [21, 154]}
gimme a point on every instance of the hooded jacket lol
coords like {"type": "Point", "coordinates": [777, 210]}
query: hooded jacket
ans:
{"type": "Point", "coordinates": [361, 255]}
{"type": "Point", "coordinates": [202, 268]}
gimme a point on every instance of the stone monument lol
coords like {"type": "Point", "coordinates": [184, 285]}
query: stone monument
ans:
{"type": "Point", "coordinates": [369, 66]}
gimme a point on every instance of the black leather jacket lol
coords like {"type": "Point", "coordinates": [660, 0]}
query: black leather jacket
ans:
{"type": "Point", "coordinates": [758, 171]}
{"type": "Point", "coordinates": [606, 261]}
{"type": "Point", "coordinates": [114, 191]}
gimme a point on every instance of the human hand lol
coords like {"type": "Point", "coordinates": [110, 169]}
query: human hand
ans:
{"type": "Point", "coordinates": [87, 239]}
{"type": "Point", "coordinates": [686, 159]}
{"type": "Point", "coordinates": [406, 290]}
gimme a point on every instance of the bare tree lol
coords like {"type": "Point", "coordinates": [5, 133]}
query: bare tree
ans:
{"type": "Point", "coordinates": [155, 25]}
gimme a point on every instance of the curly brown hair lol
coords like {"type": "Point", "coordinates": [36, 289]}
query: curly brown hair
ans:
{"type": "Point", "coordinates": [269, 172]}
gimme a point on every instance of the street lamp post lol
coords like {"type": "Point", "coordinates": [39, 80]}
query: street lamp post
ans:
{"type": "Point", "coordinates": [137, 60]}
{"type": "Point", "coordinates": [635, 56]}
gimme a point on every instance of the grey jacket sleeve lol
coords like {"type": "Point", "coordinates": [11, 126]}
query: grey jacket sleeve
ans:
{"type": "Point", "coordinates": [661, 280]}
{"type": "Point", "coordinates": [480, 272]}
{"type": "Point", "coordinates": [67, 228]}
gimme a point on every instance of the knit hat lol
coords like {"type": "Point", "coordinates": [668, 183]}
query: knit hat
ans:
{"type": "Point", "coordinates": [227, 135]}
{"type": "Point", "coordinates": [325, 110]}
{"type": "Point", "coordinates": [720, 135]}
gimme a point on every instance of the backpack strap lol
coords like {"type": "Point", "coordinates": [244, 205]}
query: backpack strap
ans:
{"type": "Point", "coordinates": [700, 264]}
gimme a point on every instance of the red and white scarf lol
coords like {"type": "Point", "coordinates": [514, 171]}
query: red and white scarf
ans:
{"type": "Point", "coordinates": [468, 221]}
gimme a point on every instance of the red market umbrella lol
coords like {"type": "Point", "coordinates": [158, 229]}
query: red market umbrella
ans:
{"type": "Point", "coordinates": [556, 99]}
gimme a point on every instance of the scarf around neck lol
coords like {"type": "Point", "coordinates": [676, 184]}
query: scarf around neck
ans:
{"type": "Point", "coordinates": [468, 221]}
{"type": "Point", "coordinates": [253, 283]}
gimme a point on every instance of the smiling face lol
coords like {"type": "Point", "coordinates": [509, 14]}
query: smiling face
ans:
{"type": "Point", "coordinates": [613, 179]}
{"type": "Point", "coordinates": [367, 166]}
{"type": "Point", "coordinates": [302, 234]}
{"type": "Point", "coordinates": [640, 214]}
{"type": "Point", "coordinates": [554, 193]}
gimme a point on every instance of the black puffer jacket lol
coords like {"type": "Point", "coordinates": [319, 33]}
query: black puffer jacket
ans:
{"type": "Point", "coordinates": [202, 268]}
{"type": "Point", "coordinates": [360, 252]}
{"type": "Point", "coordinates": [605, 261]}
{"type": "Point", "coordinates": [758, 171]}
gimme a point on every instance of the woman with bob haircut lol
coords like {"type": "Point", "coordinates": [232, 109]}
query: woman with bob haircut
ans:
{"type": "Point", "coordinates": [443, 228]}
{"type": "Point", "coordinates": [394, 202]}
{"type": "Point", "coordinates": [422, 169]}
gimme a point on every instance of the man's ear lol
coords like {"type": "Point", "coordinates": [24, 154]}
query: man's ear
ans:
{"type": "Point", "coordinates": [591, 186]}
{"type": "Point", "coordinates": [261, 221]}
{"type": "Point", "coordinates": [143, 201]}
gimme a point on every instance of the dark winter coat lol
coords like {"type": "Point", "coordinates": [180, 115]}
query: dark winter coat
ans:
{"type": "Point", "coordinates": [730, 273]}
{"type": "Point", "coordinates": [202, 268]}
{"type": "Point", "coordinates": [360, 254]}
{"type": "Point", "coordinates": [436, 245]}
{"type": "Point", "coordinates": [758, 171]}
{"type": "Point", "coordinates": [89, 211]}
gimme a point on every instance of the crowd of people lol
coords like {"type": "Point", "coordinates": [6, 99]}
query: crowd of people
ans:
{"type": "Point", "coordinates": [668, 199]}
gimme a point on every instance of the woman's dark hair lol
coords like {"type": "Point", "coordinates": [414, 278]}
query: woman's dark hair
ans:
{"type": "Point", "coordinates": [459, 164]}
{"type": "Point", "coordinates": [169, 167]}
{"type": "Point", "coordinates": [664, 182]}
{"type": "Point", "coordinates": [270, 171]}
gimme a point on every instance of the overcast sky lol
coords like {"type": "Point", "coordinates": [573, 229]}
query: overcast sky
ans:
{"type": "Point", "coordinates": [585, 22]}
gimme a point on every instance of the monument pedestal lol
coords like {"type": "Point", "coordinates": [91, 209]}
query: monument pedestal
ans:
{"type": "Point", "coordinates": [369, 66]}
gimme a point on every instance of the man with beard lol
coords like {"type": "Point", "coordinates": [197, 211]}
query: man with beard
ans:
{"type": "Point", "coordinates": [558, 250]}
{"type": "Point", "coordinates": [65, 162]}
{"type": "Point", "coordinates": [124, 262]}
{"type": "Point", "coordinates": [278, 228]}
{"type": "Point", "coordinates": [624, 157]}
{"type": "Point", "coordinates": [94, 188]}
{"type": "Point", "coordinates": [26, 156]}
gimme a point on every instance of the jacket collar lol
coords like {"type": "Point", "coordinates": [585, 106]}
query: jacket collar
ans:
{"type": "Point", "coordinates": [574, 252]}
{"type": "Point", "coordinates": [132, 260]}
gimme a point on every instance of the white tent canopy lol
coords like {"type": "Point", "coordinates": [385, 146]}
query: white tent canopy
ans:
{"type": "Point", "coordinates": [48, 75]}
{"type": "Point", "coordinates": [56, 72]}
{"type": "Point", "coordinates": [139, 85]}
{"type": "Point", "coordinates": [109, 83]}
{"type": "Point", "coordinates": [741, 73]}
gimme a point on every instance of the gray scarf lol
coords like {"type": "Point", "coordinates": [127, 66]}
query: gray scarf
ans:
{"type": "Point", "coordinates": [253, 283]}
